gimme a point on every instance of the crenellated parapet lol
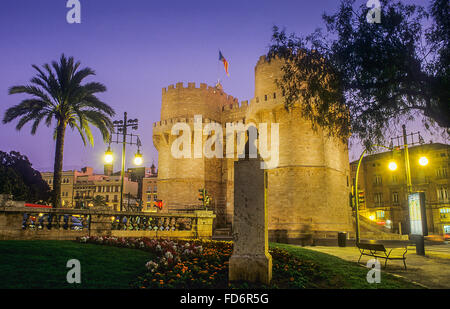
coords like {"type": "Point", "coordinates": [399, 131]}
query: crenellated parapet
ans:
{"type": "Point", "coordinates": [185, 101]}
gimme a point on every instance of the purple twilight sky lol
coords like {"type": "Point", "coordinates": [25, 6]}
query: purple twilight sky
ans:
{"type": "Point", "coordinates": [137, 48]}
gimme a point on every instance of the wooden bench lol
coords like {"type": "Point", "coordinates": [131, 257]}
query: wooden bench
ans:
{"type": "Point", "coordinates": [379, 251]}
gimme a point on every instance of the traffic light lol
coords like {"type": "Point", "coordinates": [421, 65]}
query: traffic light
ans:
{"type": "Point", "coordinates": [204, 197]}
{"type": "Point", "coordinates": [201, 195]}
{"type": "Point", "coordinates": [361, 198]}
{"type": "Point", "coordinates": [352, 201]}
{"type": "Point", "coordinates": [351, 204]}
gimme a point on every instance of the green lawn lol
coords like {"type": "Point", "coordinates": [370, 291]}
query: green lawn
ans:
{"type": "Point", "coordinates": [42, 264]}
{"type": "Point", "coordinates": [334, 272]}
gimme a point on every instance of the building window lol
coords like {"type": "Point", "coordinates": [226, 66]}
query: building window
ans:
{"type": "Point", "coordinates": [149, 198]}
{"type": "Point", "coordinates": [107, 188]}
{"type": "Point", "coordinates": [117, 188]}
{"type": "Point", "coordinates": [377, 180]}
{"type": "Point", "coordinates": [441, 172]}
{"type": "Point", "coordinates": [394, 179]}
{"type": "Point", "coordinates": [380, 214]}
{"type": "Point", "coordinates": [395, 198]}
{"type": "Point", "coordinates": [106, 198]}
{"type": "Point", "coordinates": [378, 199]}
{"type": "Point", "coordinates": [442, 194]}
{"type": "Point", "coordinates": [274, 95]}
{"type": "Point", "coordinates": [265, 97]}
{"type": "Point", "coordinates": [444, 213]}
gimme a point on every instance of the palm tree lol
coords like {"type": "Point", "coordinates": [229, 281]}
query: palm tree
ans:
{"type": "Point", "coordinates": [58, 94]}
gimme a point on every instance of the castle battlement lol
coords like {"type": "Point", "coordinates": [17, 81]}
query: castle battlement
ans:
{"type": "Point", "coordinates": [235, 106]}
{"type": "Point", "coordinates": [172, 121]}
{"type": "Point", "coordinates": [263, 60]}
{"type": "Point", "coordinates": [190, 85]}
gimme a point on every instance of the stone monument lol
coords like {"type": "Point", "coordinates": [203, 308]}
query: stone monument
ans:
{"type": "Point", "coordinates": [250, 260]}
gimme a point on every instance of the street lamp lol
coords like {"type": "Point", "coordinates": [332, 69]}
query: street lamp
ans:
{"type": "Point", "coordinates": [138, 158]}
{"type": "Point", "coordinates": [109, 156]}
{"type": "Point", "coordinates": [423, 161]}
{"type": "Point", "coordinates": [356, 188]}
{"type": "Point", "coordinates": [122, 126]}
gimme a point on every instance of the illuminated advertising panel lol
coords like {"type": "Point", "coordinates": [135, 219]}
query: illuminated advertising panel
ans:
{"type": "Point", "coordinates": [417, 216]}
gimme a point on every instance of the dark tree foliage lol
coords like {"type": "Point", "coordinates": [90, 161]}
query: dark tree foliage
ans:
{"type": "Point", "coordinates": [19, 179]}
{"type": "Point", "coordinates": [360, 77]}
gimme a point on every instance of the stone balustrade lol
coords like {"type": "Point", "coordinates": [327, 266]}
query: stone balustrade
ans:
{"type": "Point", "coordinates": [67, 224]}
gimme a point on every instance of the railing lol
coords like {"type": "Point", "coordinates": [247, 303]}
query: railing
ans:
{"type": "Point", "coordinates": [152, 223]}
{"type": "Point", "coordinates": [45, 223]}
{"type": "Point", "coordinates": [49, 221]}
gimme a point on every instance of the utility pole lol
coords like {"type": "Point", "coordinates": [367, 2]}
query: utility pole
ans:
{"type": "Point", "coordinates": [418, 239]}
{"type": "Point", "coordinates": [123, 128]}
{"type": "Point", "coordinates": [408, 167]}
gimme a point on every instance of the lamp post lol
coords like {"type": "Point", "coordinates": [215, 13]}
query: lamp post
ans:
{"type": "Point", "coordinates": [356, 191]}
{"type": "Point", "coordinates": [393, 166]}
{"type": "Point", "coordinates": [121, 127]}
{"type": "Point", "coordinates": [423, 161]}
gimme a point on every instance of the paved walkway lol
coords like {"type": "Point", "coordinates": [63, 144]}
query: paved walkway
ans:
{"type": "Point", "coordinates": [431, 270]}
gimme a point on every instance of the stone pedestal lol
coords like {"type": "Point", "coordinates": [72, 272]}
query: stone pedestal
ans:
{"type": "Point", "coordinates": [250, 260]}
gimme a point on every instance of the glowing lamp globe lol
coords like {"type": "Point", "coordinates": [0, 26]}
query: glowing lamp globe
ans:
{"type": "Point", "coordinates": [138, 159]}
{"type": "Point", "coordinates": [392, 166]}
{"type": "Point", "coordinates": [423, 161]}
{"type": "Point", "coordinates": [108, 156]}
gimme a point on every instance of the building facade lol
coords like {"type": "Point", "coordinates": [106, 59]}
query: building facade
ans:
{"type": "Point", "coordinates": [149, 193]}
{"type": "Point", "coordinates": [108, 187]}
{"type": "Point", "coordinates": [68, 180]}
{"type": "Point", "coordinates": [308, 190]}
{"type": "Point", "coordinates": [78, 188]}
{"type": "Point", "coordinates": [385, 191]}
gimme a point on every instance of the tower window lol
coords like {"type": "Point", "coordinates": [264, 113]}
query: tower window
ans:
{"type": "Point", "coordinates": [265, 97]}
{"type": "Point", "coordinates": [274, 95]}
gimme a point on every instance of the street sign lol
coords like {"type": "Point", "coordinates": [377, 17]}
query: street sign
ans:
{"type": "Point", "coordinates": [417, 214]}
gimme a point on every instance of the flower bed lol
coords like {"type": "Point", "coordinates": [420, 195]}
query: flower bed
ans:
{"type": "Point", "coordinates": [204, 264]}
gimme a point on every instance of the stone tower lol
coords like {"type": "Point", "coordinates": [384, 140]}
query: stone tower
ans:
{"type": "Point", "coordinates": [180, 179]}
{"type": "Point", "coordinates": [308, 192]}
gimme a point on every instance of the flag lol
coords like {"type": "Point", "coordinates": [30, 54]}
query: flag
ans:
{"type": "Point", "coordinates": [225, 62]}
